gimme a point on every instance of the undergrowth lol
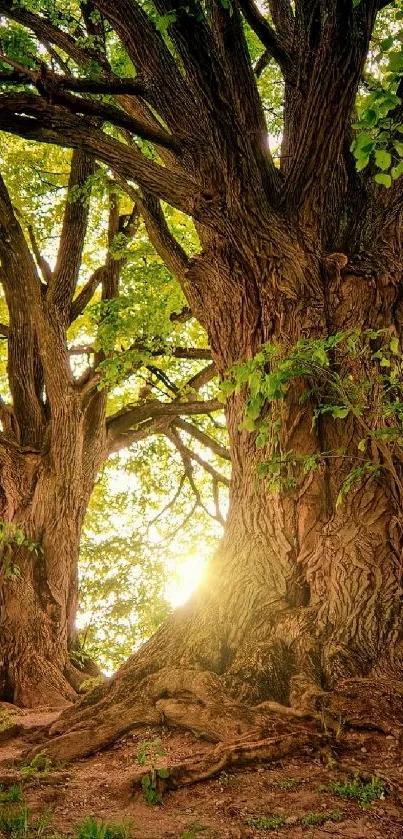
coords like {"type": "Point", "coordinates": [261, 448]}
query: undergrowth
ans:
{"type": "Point", "coordinates": [364, 792]}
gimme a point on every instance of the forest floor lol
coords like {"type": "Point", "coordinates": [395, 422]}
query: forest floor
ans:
{"type": "Point", "coordinates": [311, 796]}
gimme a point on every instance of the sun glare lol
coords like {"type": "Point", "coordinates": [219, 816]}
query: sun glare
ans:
{"type": "Point", "coordinates": [185, 577]}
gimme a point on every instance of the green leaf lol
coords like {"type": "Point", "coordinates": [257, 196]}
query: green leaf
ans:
{"type": "Point", "coordinates": [386, 44]}
{"type": "Point", "coordinates": [399, 147]}
{"type": "Point", "coordinates": [339, 411]}
{"type": "Point", "coordinates": [383, 159]}
{"type": "Point", "coordinates": [394, 345]}
{"type": "Point", "coordinates": [397, 171]}
{"type": "Point", "coordinates": [163, 773]}
{"type": "Point", "coordinates": [248, 424]}
{"type": "Point", "coordinates": [383, 179]}
{"type": "Point", "coordinates": [362, 445]}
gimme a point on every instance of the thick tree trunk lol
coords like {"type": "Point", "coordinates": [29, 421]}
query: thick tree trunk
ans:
{"type": "Point", "coordinates": [42, 513]}
{"type": "Point", "coordinates": [302, 593]}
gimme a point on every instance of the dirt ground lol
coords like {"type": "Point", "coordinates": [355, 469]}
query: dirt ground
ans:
{"type": "Point", "coordinates": [240, 804]}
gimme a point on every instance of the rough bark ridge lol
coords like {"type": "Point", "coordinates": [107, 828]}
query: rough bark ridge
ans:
{"type": "Point", "coordinates": [301, 593]}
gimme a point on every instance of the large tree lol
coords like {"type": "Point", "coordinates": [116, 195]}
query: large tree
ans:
{"type": "Point", "coordinates": [299, 277]}
{"type": "Point", "coordinates": [66, 407]}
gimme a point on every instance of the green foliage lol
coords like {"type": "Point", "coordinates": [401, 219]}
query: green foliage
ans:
{"type": "Point", "coordinates": [287, 783]}
{"type": "Point", "coordinates": [12, 536]}
{"type": "Point", "coordinates": [325, 374]}
{"type": "Point", "coordinates": [7, 719]}
{"type": "Point", "coordinates": [192, 831]}
{"type": "Point", "coordinates": [148, 753]}
{"type": "Point", "coordinates": [378, 140]}
{"type": "Point", "coordinates": [321, 817]}
{"type": "Point", "coordinates": [11, 795]}
{"type": "Point", "coordinates": [90, 684]}
{"type": "Point", "coordinates": [136, 543]}
{"type": "Point", "coordinates": [39, 765]}
{"type": "Point", "coordinates": [365, 792]}
{"type": "Point", "coordinates": [20, 824]}
{"type": "Point", "coordinates": [91, 828]}
{"type": "Point", "coordinates": [269, 822]}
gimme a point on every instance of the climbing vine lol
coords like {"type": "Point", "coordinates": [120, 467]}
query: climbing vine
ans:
{"type": "Point", "coordinates": [327, 373]}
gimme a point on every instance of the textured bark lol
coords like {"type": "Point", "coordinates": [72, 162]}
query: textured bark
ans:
{"type": "Point", "coordinates": [38, 583]}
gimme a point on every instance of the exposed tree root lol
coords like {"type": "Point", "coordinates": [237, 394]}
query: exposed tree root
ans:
{"type": "Point", "coordinates": [240, 753]}
{"type": "Point", "coordinates": [196, 700]}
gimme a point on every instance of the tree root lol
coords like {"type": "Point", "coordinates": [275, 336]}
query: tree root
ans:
{"type": "Point", "coordinates": [240, 753]}
{"type": "Point", "coordinates": [195, 700]}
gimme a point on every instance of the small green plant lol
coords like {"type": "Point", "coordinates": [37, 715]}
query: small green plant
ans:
{"type": "Point", "coordinates": [90, 828]}
{"type": "Point", "coordinates": [192, 831]}
{"type": "Point", "coordinates": [148, 752]}
{"type": "Point", "coordinates": [269, 822]}
{"type": "Point", "coordinates": [287, 783]}
{"type": "Point", "coordinates": [316, 818]}
{"type": "Point", "coordinates": [11, 795]}
{"type": "Point", "coordinates": [14, 823]}
{"type": "Point", "coordinates": [363, 791]}
{"type": "Point", "coordinates": [40, 765]}
{"type": "Point", "coordinates": [20, 825]}
{"type": "Point", "coordinates": [7, 719]}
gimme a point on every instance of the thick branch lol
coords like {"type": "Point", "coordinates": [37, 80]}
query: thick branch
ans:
{"type": "Point", "coordinates": [152, 59]}
{"type": "Point", "coordinates": [202, 377]}
{"type": "Point", "coordinates": [74, 228]}
{"type": "Point", "coordinates": [45, 30]}
{"type": "Point", "coordinates": [85, 295]}
{"type": "Point", "coordinates": [133, 415]}
{"type": "Point", "coordinates": [22, 291]}
{"type": "Point", "coordinates": [102, 110]}
{"type": "Point", "coordinates": [167, 247]}
{"type": "Point", "coordinates": [42, 263]}
{"type": "Point", "coordinates": [266, 34]}
{"type": "Point", "coordinates": [203, 438]}
{"type": "Point", "coordinates": [32, 117]}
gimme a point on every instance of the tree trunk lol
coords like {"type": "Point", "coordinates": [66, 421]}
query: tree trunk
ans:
{"type": "Point", "coordinates": [302, 593]}
{"type": "Point", "coordinates": [42, 512]}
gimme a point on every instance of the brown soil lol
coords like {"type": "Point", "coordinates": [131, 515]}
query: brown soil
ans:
{"type": "Point", "coordinates": [104, 786]}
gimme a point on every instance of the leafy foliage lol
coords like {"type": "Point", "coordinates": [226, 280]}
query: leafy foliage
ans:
{"type": "Point", "coordinates": [324, 374]}
{"type": "Point", "coordinates": [365, 792]}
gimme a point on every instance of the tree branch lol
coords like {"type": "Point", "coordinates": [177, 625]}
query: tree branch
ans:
{"type": "Point", "coordinates": [147, 49]}
{"type": "Point", "coordinates": [32, 117]}
{"type": "Point", "coordinates": [133, 415]}
{"type": "Point", "coordinates": [23, 296]}
{"type": "Point", "coordinates": [202, 377]}
{"type": "Point", "coordinates": [42, 27]}
{"type": "Point", "coordinates": [190, 455]}
{"type": "Point", "coordinates": [203, 438]}
{"type": "Point", "coordinates": [42, 263]}
{"type": "Point", "coordinates": [266, 35]}
{"type": "Point", "coordinates": [85, 295]}
{"type": "Point", "coordinates": [48, 87]}
{"type": "Point", "coordinates": [74, 228]}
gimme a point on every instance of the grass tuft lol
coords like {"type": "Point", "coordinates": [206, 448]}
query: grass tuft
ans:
{"type": "Point", "coordinates": [316, 818]}
{"type": "Point", "coordinates": [269, 822]}
{"type": "Point", "coordinates": [364, 792]}
{"type": "Point", "coordinates": [90, 828]}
